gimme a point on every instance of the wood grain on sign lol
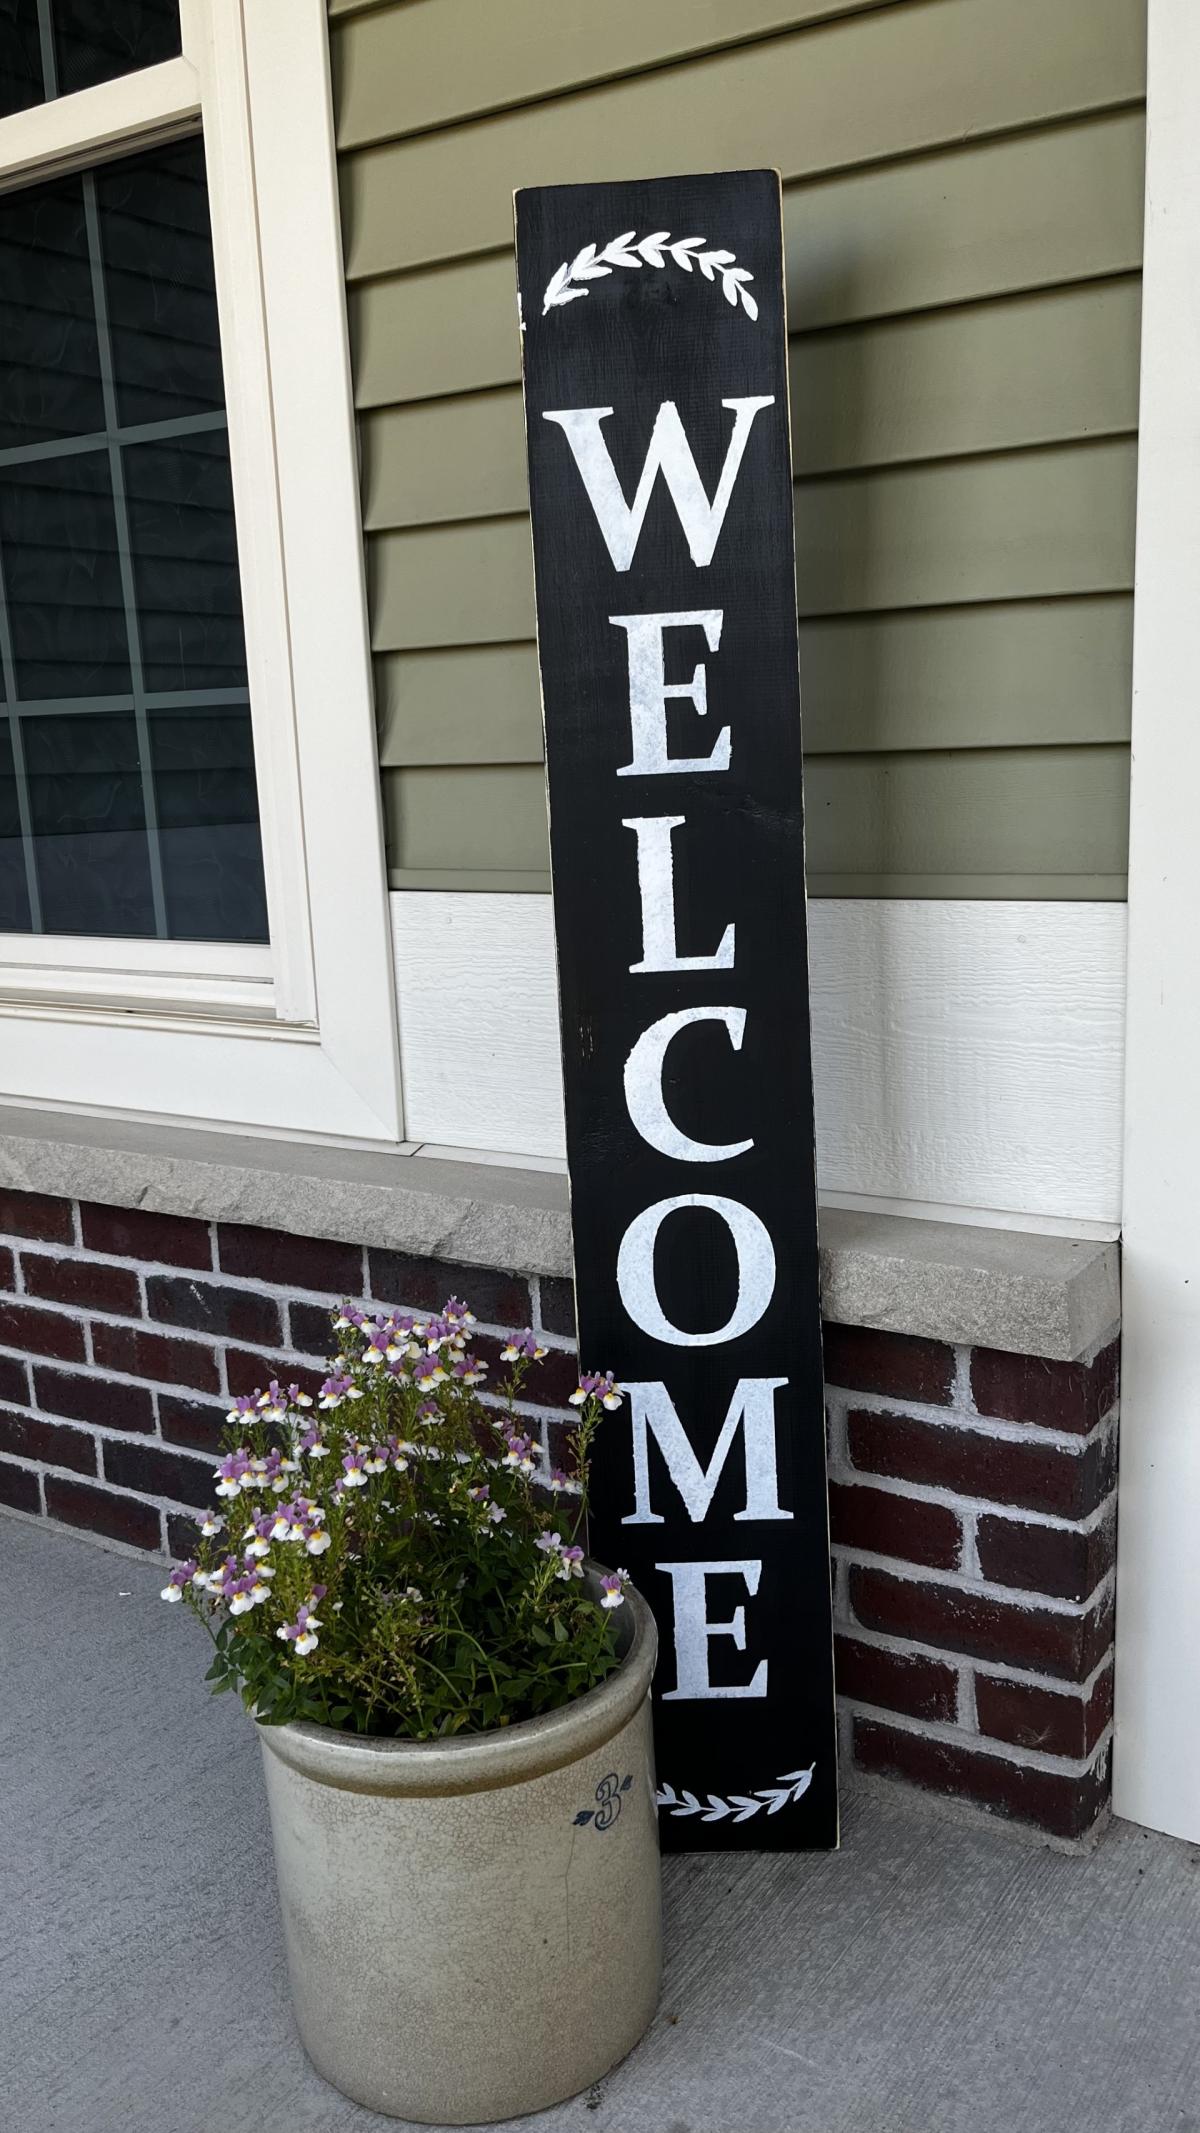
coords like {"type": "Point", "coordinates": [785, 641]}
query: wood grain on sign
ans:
{"type": "Point", "coordinates": [656, 405]}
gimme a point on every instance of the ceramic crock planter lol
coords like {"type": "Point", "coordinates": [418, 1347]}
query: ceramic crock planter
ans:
{"type": "Point", "coordinates": [473, 1925]}
{"type": "Point", "coordinates": [453, 1708]}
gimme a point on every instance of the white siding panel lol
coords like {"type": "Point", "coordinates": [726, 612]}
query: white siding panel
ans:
{"type": "Point", "coordinates": [966, 1054]}
{"type": "Point", "coordinates": [970, 1053]}
{"type": "Point", "coordinates": [477, 994]}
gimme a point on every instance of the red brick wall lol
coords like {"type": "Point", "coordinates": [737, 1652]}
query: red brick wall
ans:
{"type": "Point", "coordinates": [972, 1492]}
{"type": "Point", "coordinates": [973, 1509]}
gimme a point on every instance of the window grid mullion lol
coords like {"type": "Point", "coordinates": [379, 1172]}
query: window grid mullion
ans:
{"type": "Point", "coordinates": [46, 40]}
{"type": "Point", "coordinates": [125, 555]}
{"type": "Point", "coordinates": [8, 668]}
{"type": "Point", "coordinates": [172, 426]}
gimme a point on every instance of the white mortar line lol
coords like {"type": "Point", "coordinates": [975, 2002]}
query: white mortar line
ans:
{"type": "Point", "coordinates": [219, 1277]}
{"type": "Point", "coordinates": [960, 1392]}
{"type": "Point", "coordinates": [880, 1403]}
{"type": "Point", "coordinates": [88, 1533]}
{"type": "Point", "coordinates": [47, 1470]}
{"type": "Point", "coordinates": [975, 1588]}
{"type": "Point", "coordinates": [950, 1736]}
{"type": "Point", "coordinates": [837, 1449]}
{"type": "Point", "coordinates": [84, 1314]}
{"type": "Point", "coordinates": [936, 1493]}
{"type": "Point", "coordinates": [1020, 1676]}
{"type": "Point", "coordinates": [106, 1433]}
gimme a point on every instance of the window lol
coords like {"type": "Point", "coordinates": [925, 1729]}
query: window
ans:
{"type": "Point", "coordinates": [122, 653]}
{"type": "Point", "coordinates": [52, 47]}
{"type": "Point", "coordinates": [193, 916]}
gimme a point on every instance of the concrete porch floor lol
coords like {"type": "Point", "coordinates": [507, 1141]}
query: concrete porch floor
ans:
{"type": "Point", "coordinates": [937, 1976]}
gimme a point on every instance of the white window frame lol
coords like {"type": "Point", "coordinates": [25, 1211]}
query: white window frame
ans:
{"type": "Point", "coordinates": [298, 1037]}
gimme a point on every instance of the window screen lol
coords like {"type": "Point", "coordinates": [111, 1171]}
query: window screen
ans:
{"type": "Point", "coordinates": [51, 47]}
{"type": "Point", "coordinates": [128, 803]}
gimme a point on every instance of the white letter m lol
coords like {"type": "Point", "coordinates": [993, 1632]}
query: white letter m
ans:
{"type": "Point", "coordinates": [752, 1407]}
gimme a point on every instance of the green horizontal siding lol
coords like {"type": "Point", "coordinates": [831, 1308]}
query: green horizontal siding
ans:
{"type": "Point", "coordinates": [1007, 527]}
{"type": "Point", "coordinates": [1031, 212]}
{"type": "Point", "coordinates": [894, 81]}
{"type": "Point", "coordinates": [1025, 370]}
{"type": "Point", "coordinates": [915, 825]}
{"type": "Point", "coordinates": [431, 62]}
{"type": "Point", "coordinates": [1022, 673]}
{"type": "Point", "coordinates": [962, 209]}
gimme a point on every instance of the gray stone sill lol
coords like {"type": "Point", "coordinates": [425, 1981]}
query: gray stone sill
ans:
{"type": "Point", "coordinates": [1033, 1295]}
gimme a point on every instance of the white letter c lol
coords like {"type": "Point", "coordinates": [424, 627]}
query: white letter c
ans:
{"type": "Point", "coordinates": [644, 1090]}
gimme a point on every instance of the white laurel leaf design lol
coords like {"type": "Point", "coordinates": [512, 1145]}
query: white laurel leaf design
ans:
{"type": "Point", "coordinates": [629, 250]}
{"type": "Point", "coordinates": [741, 1805]}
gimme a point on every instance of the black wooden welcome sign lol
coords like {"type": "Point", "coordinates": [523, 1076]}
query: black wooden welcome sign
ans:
{"type": "Point", "coordinates": [656, 409]}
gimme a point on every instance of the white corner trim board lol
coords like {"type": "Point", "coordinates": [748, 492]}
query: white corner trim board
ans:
{"type": "Point", "coordinates": [1156, 1759]}
{"type": "Point", "coordinates": [966, 1054]}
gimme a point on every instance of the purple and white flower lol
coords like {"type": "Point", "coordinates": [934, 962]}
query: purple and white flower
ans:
{"type": "Point", "coordinates": [230, 1475]}
{"type": "Point", "coordinates": [302, 1633]}
{"type": "Point", "coordinates": [593, 1386]}
{"type": "Point", "coordinates": [180, 1578]}
{"type": "Point", "coordinates": [523, 1347]}
{"type": "Point", "coordinates": [259, 1535]}
{"type": "Point", "coordinates": [612, 1587]}
{"type": "Point", "coordinates": [570, 1558]}
{"type": "Point", "coordinates": [354, 1468]}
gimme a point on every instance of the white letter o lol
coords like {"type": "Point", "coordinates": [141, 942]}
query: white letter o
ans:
{"type": "Point", "coordinates": [756, 1270]}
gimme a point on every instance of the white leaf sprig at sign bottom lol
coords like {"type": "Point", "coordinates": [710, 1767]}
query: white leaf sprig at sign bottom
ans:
{"type": "Point", "coordinates": [628, 250]}
{"type": "Point", "coordinates": [741, 1805]}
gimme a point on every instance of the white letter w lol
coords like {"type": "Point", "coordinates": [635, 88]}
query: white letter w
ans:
{"type": "Point", "coordinates": [621, 523]}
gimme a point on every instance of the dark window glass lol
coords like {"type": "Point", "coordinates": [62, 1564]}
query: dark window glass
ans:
{"type": "Point", "coordinates": [14, 897]}
{"type": "Point", "coordinates": [49, 357]}
{"type": "Point", "coordinates": [21, 81]}
{"type": "Point", "coordinates": [95, 40]}
{"type": "Point", "coordinates": [208, 825]}
{"type": "Point", "coordinates": [88, 806]}
{"type": "Point", "coordinates": [127, 777]}
{"type": "Point", "coordinates": [62, 572]}
{"type": "Point", "coordinates": [185, 563]}
{"type": "Point", "coordinates": [50, 48]}
{"type": "Point", "coordinates": [158, 274]}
